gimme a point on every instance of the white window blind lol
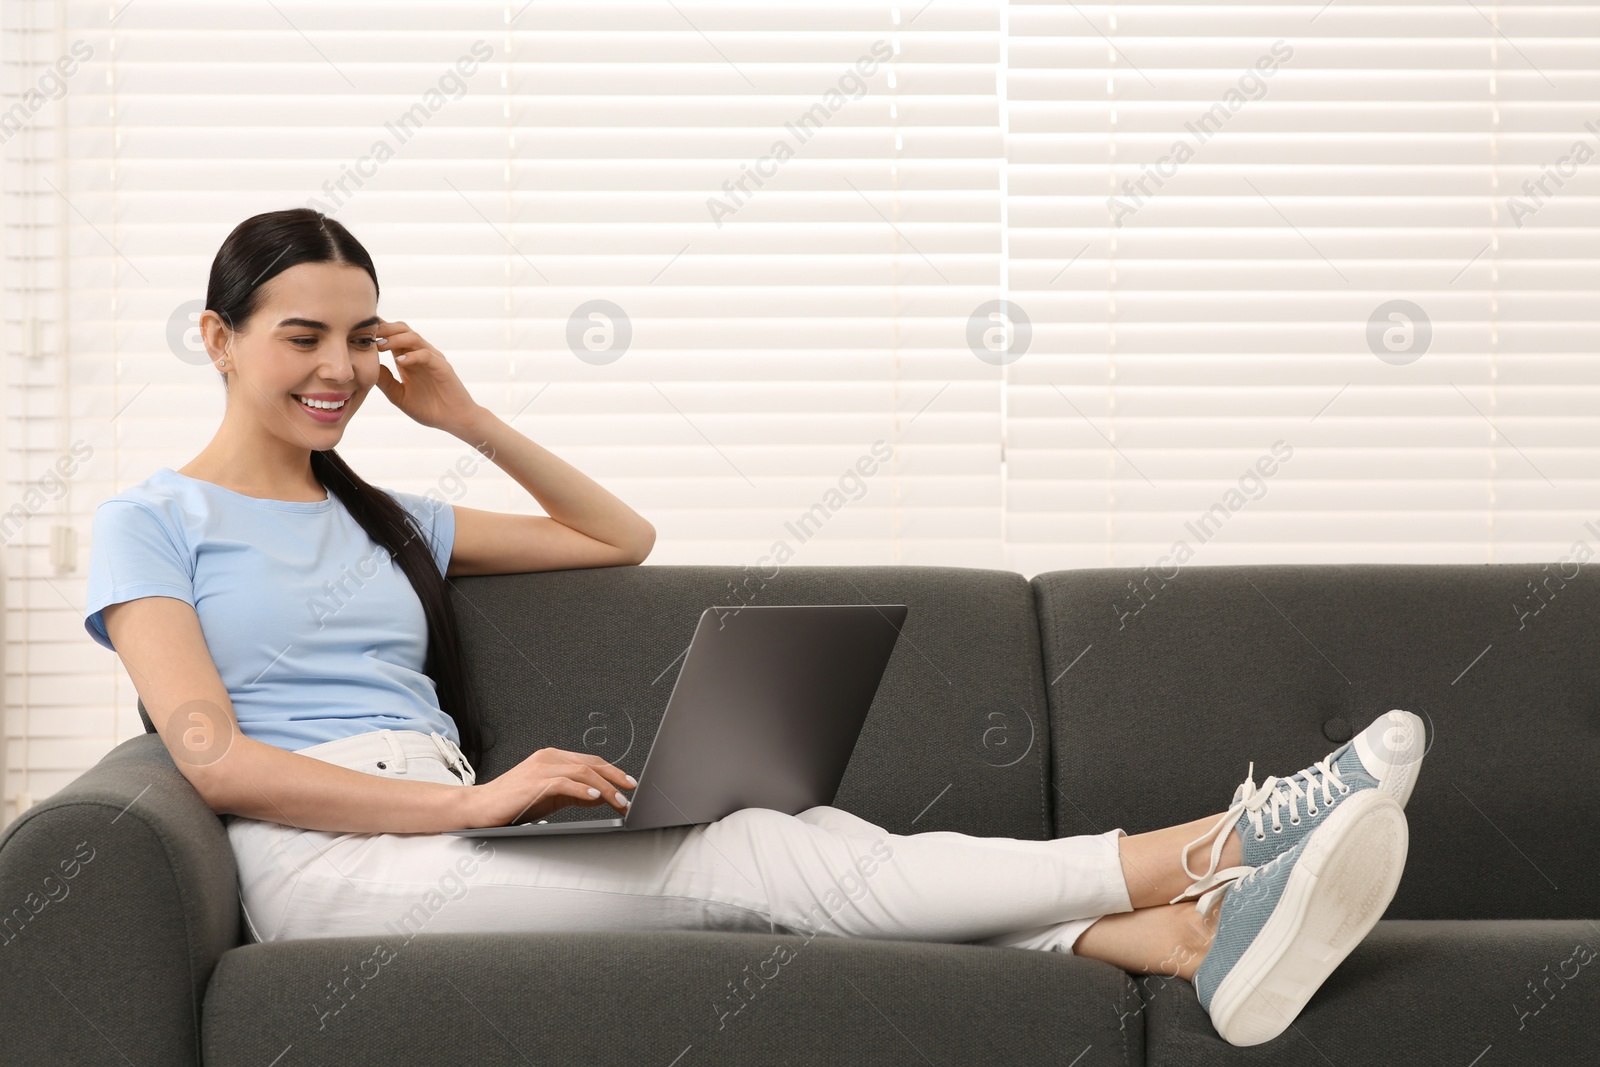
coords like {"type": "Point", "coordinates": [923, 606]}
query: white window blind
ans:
{"type": "Point", "coordinates": [785, 211]}
{"type": "Point", "coordinates": [1078, 267]}
{"type": "Point", "coordinates": [1207, 205]}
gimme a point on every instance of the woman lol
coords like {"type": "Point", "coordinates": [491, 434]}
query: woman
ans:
{"type": "Point", "coordinates": [317, 700]}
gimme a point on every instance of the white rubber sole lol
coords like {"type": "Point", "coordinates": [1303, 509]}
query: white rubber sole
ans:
{"type": "Point", "coordinates": [1339, 888]}
{"type": "Point", "coordinates": [1405, 742]}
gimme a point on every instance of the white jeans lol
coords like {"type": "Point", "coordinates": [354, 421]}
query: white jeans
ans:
{"type": "Point", "coordinates": [823, 871]}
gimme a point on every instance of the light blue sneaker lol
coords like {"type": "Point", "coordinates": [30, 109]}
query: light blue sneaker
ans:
{"type": "Point", "coordinates": [1386, 756]}
{"type": "Point", "coordinates": [1285, 926]}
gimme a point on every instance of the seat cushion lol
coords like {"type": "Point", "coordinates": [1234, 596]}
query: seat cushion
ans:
{"type": "Point", "coordinates": [1163, 690]}
{"type": "Point", "coordinates": [650, 998]}
{"type": "Point", "coordinates": [585, 660]}
{"type": "Point", "coordinates": [1444, 992]}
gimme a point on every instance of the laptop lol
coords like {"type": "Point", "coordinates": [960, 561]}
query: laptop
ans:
{"type": "Point", "coordinates": [765, 713]}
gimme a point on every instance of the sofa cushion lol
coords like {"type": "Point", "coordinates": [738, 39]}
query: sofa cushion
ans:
{"type": "Point", "coordinates": [653, 997]}
{"type": "Point", "coordinates": [956, 739]}
{"type": "Point", "coordinates": [1417, 992]}
{"type": "Point", "coordinates": [1162, 690]}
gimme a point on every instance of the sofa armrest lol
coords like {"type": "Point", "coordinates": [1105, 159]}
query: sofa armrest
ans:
{"type": "Point", "coordinates": [118, 894]}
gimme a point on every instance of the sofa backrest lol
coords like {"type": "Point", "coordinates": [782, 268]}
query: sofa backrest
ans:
{"type": "Point", "coordinates": [1179, 678]}
{"type": "Point", "coordinates": [956, 739]}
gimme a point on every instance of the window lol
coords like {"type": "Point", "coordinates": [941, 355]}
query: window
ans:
{"type": "Point", "coordinates": [1076, 283]}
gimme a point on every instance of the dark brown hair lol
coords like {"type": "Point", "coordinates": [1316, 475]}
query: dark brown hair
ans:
{"type": "Point", "coordinates": [259, 248]}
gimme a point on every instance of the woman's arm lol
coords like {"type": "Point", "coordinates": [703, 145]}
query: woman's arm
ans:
{"type": "Point", "coordinates": [587, 526]}
{"type": "Point", "coordinates": [270, 783]}
{"type": "Point", "coordinates": [584, 525]}
{"type": "Point", "coordinates": [160, 642]}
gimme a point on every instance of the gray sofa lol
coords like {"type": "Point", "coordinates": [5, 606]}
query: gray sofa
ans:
{"type": "Point", "coordinates": [1069, 704]}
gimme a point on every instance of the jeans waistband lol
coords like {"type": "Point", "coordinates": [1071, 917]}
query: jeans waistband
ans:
{"type": "Point", "coordinates": [391, 748]}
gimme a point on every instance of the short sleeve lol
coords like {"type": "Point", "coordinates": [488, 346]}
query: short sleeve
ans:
{"type": "Point", "coordinates": [132, 554]}
{"type": "Point", "coordinates": [438, 520]}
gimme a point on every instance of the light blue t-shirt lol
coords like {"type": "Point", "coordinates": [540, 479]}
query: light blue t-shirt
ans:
{"type": "Point", "coordinates": [316, 632]}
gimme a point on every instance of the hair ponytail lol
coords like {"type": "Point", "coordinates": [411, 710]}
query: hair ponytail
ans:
{"type": "Point", "coordinates": [258, 249]}
{"type": "Point", "coordinates": [393, 527]}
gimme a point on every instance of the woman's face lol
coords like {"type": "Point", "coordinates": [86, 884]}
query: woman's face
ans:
{"type": "Point", "coordinates": [310, 337]}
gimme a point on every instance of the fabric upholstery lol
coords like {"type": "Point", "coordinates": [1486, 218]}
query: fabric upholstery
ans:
{"type": "Point", "coordinates": [585, 660]}
{"type": "Point", "coordinates": [1158, 720]}
{"type": "Point", "coordinates": [1414, 991]}
{"type": "Point", "coordinates": [1070, 704]}
{"type": "Point", "coordinates": [648, 998]}
{"type": "Point", "coordinates": [106, 960]}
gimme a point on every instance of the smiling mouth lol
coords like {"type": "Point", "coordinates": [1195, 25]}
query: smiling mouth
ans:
{"type": "Point", "coordinates": [322, 405]}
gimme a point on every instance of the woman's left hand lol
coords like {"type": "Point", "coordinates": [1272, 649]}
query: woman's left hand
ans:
{"type": "Point", "coordinates": [428, 389]}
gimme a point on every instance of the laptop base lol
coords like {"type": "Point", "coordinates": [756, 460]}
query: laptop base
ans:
{"type": "Point", "coordinates": [539, 829]}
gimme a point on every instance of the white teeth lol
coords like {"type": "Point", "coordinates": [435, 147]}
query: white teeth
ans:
{"type": "Point", "coordinates": [325, 405]}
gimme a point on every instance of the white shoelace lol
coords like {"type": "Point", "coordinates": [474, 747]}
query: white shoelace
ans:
{"type": "Point", "coordinates": [1221, 883]}
{"type": "Point", "coordinates": [1270, 797]}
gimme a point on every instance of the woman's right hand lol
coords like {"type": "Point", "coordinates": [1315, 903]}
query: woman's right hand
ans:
{"type": "Point", "coordinates": [547, 781]}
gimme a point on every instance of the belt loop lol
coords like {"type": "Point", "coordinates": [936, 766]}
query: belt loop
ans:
{"type": "Point", "coordinates": [472, 774]}
{"type": "Point", "coordinates": [397, 756]}
{"type": "Point", "coordinates": [454, 757]}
